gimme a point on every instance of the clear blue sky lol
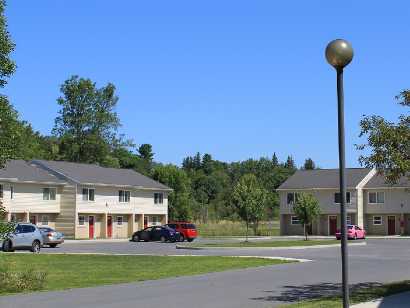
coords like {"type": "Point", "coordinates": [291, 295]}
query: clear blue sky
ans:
{"type": "Point", "coordinates": [236, 79]}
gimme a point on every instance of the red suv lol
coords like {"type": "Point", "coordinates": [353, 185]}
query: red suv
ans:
{"type": "Point", "coordinates": [187, 230]}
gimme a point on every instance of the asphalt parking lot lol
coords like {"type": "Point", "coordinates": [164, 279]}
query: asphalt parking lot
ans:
{"type": "Point", "coordinates": [382, 260]}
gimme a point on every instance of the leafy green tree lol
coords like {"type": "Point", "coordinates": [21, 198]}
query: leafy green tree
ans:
{"type": "Point", "coordinates": [179, 199]}
{"type": "Point", "coordinates": [307, 209]}
{"type": "Point", "coordinates": [87, 123]}
{"type": "Point", "coordinates": [309, 164]}
{"type": "Point", "coordinates": [250, 200]}
{"type": "Point", "coordinates": [7, 65]}
{"type": "Point", "coordinates": [8, 115]}
{"type": "Point", "coordinates": [388, 143]}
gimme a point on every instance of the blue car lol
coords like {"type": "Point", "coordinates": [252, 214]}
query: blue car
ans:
{"type": "Point", "coordinates": [157, 233]}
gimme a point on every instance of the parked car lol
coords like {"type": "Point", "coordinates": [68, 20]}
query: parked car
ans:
{"type": "Point", "coordinates": [26, 236]}
{"type": "Point", "coordinates": [353, 233]}
{"type": "Point", "coordinates": [156, 233]}
{"type": "Point", "coordinates": [51, 237]}
{"type": "Point", "coordinates": [186, 229]}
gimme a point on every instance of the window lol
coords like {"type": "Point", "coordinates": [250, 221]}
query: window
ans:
{"type": "Point", "coordinates": [27, 229]}
{"type": "Point", "coordinates": [88, 194]}
{"type": "Point", "coordinates": [11, 192]}
{"type": "Point", "coordinates": [349, 220]}
{"type": "Point", "coordinates": [49, 193]}
{"type": "Point", "coordinates": [44, 220]}
{"type": "Point", "coordinates": [81, 220]}
{"type": "Point", "coordinates": [337, 197]}
{"type": "Point", "coordinates": [124, 195]}
{"type": "Point", "coordinates": [376, 197]}
{"type": "Point", "coordinates": [158, 198]}
{"type": "Point", "coordinates": [292, 198]}
{"type": "Point", "coordinates": [377, 220]}
{"type": "Point", "coordinates": [119, 220]}
{"type": "Point", "coordinates": [1, 191]}
{"type": "Point", "coordinates": [294, 220]}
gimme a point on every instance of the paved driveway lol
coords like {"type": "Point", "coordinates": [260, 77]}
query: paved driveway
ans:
{"type": "Point", "coordinates": [378, 261]}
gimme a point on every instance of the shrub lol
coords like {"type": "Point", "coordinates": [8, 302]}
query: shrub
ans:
{"type": "Point", "coordinates": [12, 281]}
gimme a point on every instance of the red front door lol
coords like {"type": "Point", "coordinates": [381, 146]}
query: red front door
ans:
{"type": "Point", "coordinates": [91, 227]}
{"type": "Point", "coordinates": [391, 225]}
{"type": "Point", "coordinates": [145, 221]}
{"type": "Point", "coordinates": [332, 225]}
{"type": "Point", "coordinates": [33, 219]}
{"type": "Point", "coordinates": [109, 226]}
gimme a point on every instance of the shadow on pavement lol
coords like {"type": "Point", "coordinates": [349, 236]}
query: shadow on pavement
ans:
{"type": "Point", "coordinates": [292, 294]}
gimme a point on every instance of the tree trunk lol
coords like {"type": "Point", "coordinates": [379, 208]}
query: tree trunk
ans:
{"type": "Point", "coordinates": [305, 232]}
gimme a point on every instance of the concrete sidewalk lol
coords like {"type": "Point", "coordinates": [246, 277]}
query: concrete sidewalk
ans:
{"type": "Point", "coordinates": [400, 300]}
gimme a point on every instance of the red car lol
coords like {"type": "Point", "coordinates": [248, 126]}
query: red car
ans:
{"type": "Point", "coordinates": [187, 230]}
{"type": "Point", "coordinates": [353, 233]}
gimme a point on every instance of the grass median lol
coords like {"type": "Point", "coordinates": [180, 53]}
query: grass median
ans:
{"type": "Point", "coordinates": [263, 243]}
{"type": "Point", "coordinates": [77, 271]}
{"type": "Point", "coordinates": [362, 292]}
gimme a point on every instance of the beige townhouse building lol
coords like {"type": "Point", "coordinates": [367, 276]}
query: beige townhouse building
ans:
{"type": "Point", "coordinates": [81, 200]}
{"type": "Point", "coordinates": [380, 208]}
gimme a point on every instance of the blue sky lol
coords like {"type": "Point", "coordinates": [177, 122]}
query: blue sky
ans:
{"type": "Point", "coordinates": [236, 79]}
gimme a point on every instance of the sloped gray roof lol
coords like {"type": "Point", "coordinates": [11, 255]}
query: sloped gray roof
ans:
{"type": "Point", "coordinates": [23, 171]}
{"type": "Point", "coordinates": [378, 181]}
{"type": "Point", "coordinates": [94, 174]}
{"type": "Point", "coordinates": [324, 178]}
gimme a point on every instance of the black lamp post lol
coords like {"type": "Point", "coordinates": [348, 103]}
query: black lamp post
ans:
{"type": "Point", "coordinates": [339, 53]}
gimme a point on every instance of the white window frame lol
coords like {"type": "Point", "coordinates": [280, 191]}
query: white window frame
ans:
{"type": "Point", "coordinates": [43, 220]}
{"type": "Point", "coordinates": [88, 189]}
{"type": "Point", "coordinates": [347, 192]}
{"type": "Point", "coordinates": [295, 196]}
{"type": "Point", "coordinates": [49, 193]}
{"type": "Point", "coordinates": [118, 222]}
{"type": "Point", "coordinates": [380, 221]}
{"type": "Point", "coordinates": [83, 224]}
{"type": "Point", "coordinates": [158, 198]}
{"type": "Point", "coordinates": [377, 197]}
{"type": "Point", "coordinates": [123, 199]}
{"type": "Point", "coordinates": [292, 220]}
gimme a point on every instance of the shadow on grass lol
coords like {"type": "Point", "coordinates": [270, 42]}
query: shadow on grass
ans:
{"type": "Point", "coordinates": [292, 294]}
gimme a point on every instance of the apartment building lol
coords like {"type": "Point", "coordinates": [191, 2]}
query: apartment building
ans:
{"type": "Point", "coordinates": [380, 208]}
{"type": "Point", "coordinates": [81, 200]}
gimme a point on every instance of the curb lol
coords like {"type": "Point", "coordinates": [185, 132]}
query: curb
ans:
{"type": "Point", "coordinates": [269, 248]}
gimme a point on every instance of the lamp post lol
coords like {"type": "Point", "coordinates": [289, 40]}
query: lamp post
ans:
{"type": "Point", "coordinates": [339, 53]}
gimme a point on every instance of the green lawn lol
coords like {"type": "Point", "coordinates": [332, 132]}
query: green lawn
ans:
{"type": "Point", "coordinates": [77, 271]}
{"type": "Point", "coordinates": [260, 243]}
{"type": "Point", "coordinates": [360, 295]}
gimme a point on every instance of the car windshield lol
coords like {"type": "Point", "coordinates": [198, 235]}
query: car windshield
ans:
{"type": "Point", "coordinates": [169, 228]}
{"type": "Point", "coordinates": [350, 227]}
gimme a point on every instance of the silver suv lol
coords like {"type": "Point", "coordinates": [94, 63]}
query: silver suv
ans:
{"type": "Point", "coordinates": [25, 237]}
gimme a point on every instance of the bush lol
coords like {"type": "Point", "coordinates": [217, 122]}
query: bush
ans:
{"type": "Point", "coordinates": [12, 281]}
{"type": "Point", "coordinates": [235, 228]}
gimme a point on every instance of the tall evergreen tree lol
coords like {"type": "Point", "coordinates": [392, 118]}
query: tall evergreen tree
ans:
{"type": "Point", "coordinates": [309, 164]}
{"type": "Point", "coordinates": [290, 163]}
{"type": "Point", "coordinates": [275, 161]}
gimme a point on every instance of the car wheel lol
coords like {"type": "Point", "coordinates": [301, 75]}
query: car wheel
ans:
{"type": "Point", "coordinates": [163, 239]}
{"type": "Point", "coordinates": [7, 246]}
{"type": "Point", "coordinates": [135, 238]}
{"type": "Point", "coordinates": [190, 240]}
{"type": "Point", "coordinates": [35, 247]}
{"type": "Point", "coordinates": [53, 245]}
{"type": "Point", "coordinates": [181, 238]}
